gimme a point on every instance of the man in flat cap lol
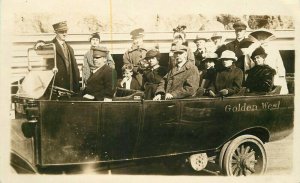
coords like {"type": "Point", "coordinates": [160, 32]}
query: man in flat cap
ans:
{"type": "Point", "coordinates": [67, 76]}
{"type": "Point", "coordinates": [238, 44]}
{"type": "Point", "coordinates": [153, 75]}
{"type": "Point", "coordinates": [136, 53]}
{"type": "Point", "coordinates": [88, 63]}
{"type": "Point", "coordinates": [180, 82]}
{"type": "Point", "coordinates": [179, 36]}
{"type": "Point", "coordinates": [101, 84]}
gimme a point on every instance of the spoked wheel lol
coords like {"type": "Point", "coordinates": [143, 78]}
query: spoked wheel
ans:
{"type": "Point", "coordinates": [245, 156]}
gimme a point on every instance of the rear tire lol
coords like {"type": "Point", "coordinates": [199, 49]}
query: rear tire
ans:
{"type": "Point", "coordinates": [245, 155]}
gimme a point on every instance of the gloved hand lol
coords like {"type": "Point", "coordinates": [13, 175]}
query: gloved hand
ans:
{"type": "Point", "coordinates": [223, 92]}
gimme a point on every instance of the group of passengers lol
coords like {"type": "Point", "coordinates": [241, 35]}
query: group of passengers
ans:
{"type": "Point", "coordinates": [214, 69]}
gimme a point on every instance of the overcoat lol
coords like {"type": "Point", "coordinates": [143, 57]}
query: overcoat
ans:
{"type": "Point", "coordinates": [180, 83]}
{"type": "Point", "coordinates": [102, 84]}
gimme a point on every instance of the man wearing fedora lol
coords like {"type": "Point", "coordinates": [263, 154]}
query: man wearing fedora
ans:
{"type": "Point", "coordinates": [88, 63]}
{"type": "Point", "coordinates": [153, 75]}
{"type": "Point", "coordinates": [180, 82]}
{"type": "Point", "coordinates": [67, 75]}
{"type": "Point", "coordinates": [229, 80]}
{"type": "Point", "coordinates": [238, 44]}
{"type": "Point", "coordinates": [136, 53]}
{"type": "Point", "coordinates": [101, 84]}
{"type": "Point", "coordinates": [200, 53]}
{"type": "Point", "coordinates": [217, 40]}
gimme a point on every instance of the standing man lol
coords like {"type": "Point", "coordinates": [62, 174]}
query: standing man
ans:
{"type": "Point", "coordinates": [200, 53]}
{"type": "Point", "coordinates": [179, 36]}
{"type": "Point", "coordinates": [237, 45]}
{"type": "Point", "coordinates": [102, 83]}
{"type": "Point", "coordinates": [88, 62]}
{"type": "Point", "coordinates": [67, 76]}
{"type": "Point", "coordinates": [136, 53]}
{"type": "Point", "coordinates": [182, 81]}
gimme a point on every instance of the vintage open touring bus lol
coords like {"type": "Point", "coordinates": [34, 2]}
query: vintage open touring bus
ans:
{"type": "Point", "coordinates": [52, 132]}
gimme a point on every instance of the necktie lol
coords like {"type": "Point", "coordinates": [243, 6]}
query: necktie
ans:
{"type": "Point", "coordinates": [65, 50]}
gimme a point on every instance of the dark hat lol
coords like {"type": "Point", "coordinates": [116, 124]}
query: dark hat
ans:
{"type": "Point", "coordinates": [60, 26]}
{"type": "Point", "coordinates": [137, 33]}
{"type": "Point", "coordinates": [95, 35]}
{"type": "Point", "coordinates": [179, 28]}
{"type": "Point", "coordinates": [180, 49]}
{"type": "Point", "coordinates": [259, 51]}
{"type": "Point", "coordinates": [198, 37]}
{"type": "Point", "coordinates": [227, 54]}
{"type": "Point", "coordinates": [100, 51]}
{"type": "Point", "coordinates": [152, 53]}
{"type": "Point", "coordinates": [216, 35]}
{"type": "Point", "coordinates": [210, 56]}
{"type": "Point", "coordinates": [239, 26]}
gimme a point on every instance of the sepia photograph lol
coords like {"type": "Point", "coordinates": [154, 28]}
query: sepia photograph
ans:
{"type": "Point", "coordinates": [132, 90]}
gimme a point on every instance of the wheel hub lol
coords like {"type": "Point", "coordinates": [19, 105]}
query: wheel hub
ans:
{"type": "Point", "coordinates": [198, 161]}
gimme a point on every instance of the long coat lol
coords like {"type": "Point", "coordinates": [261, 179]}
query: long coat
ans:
{"type": "Point", "coordinates": [102, 83]}
{"type": "Point", "coordinates": [180, 83]}
{"type": "Point", "coordinates": [151, 79]}
{"type": "Point", "coordinates": [230, 79]}
{"type": "Point", "coordinates": [62, 78]}
{"type": "Point", "coordinates": [260, 78]}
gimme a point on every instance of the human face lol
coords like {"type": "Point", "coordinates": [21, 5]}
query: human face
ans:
{"type": "Point", "coordinates": [180, 57]}
{"type": "Point", "coordinates": [153, 61]}
{"type": "Point", "coordinates": [216, 41]}
{"type": "Point", "coordinates": [259, 60]}
{"type": "Point", "coordinates": [200, 44]}
{"type": "Point", "coordinates": [100, 61]}
{"type": "Point", "coordinates": [61, 35]}
{"type": "Point", "coordinates": [138, 41]}
{"type": "Point", "coordinates": [95, 42]}
{"type": "Point", "coordinates": [127, 73]}
{"type": "Point", "coordinates": [240, 34]}
{"type": "Point", "coordinates": [227, 62]}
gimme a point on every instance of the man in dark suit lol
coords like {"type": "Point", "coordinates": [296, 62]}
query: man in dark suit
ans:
{"type": "Point", "coordinates": [237, 45]}
{"type": "Point", "coordinates": [67, 73]}
{"type": "Point", "coordinates": [101, 84]}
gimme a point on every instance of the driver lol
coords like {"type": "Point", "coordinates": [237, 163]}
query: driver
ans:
{"type": "Point", "coordinates": [101, 84]}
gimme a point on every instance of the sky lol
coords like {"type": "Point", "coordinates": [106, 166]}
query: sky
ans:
{"type": "Point", "coordinates": [144, 7]}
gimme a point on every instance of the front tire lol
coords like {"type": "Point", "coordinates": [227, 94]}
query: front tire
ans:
{"type": "Point", "coordinates": [245, 155]}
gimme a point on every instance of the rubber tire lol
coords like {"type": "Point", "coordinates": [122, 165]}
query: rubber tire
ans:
{"type": "Point", "coordinates": [222, 153]}
{"type": "Point", "coordinates": [235, 144]}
